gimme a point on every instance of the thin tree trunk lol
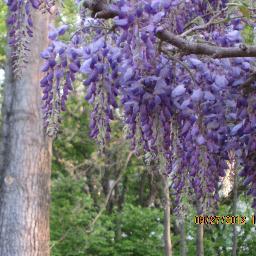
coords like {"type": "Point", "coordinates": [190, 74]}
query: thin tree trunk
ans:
{"type": "Point", "coordinates": [167, 219]}
{"type": "Point", "coordinates": [200, 240]}
{"type": "Point", "coordinates": [183, 246]}
{"type": "Point", "coordinates": [142, 186]}
{"type": "Point", "coordinates": [120, 206]}
{"type": "Point", "coordinates": [25, 158]}
{"type": "Point", "coordinates": [234, 238]}
{"type": "Point", "coordinates": [153, 180]}
{"type": "Point", "coordinates": [199, 235]}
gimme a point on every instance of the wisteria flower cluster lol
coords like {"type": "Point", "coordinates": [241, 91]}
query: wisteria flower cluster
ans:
{"type": "Point", "coordinates": [20, 23]}
{"type": "Point", "coordinates": [187, 111]}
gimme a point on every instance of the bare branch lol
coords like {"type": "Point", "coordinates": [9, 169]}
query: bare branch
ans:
{"type": "Point", "coordinates": [188, 47]}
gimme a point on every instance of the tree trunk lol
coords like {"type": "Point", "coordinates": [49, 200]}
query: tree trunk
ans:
{"type": "Point", "coordinates": [120, 206]}
{"type": "Point", "coordinates": [167, 218]}
{"type": "Point", "coordinates": [234, 237]}
{"type": "Point", "coordinates": [183, 247]}
{"type": "Point", "coordinates": [199, 234]}
{"type": "Point", "coordinates": [154, 180]}
{"type": "Point", "coordinates": [142, 187]}
{"type": "Point", "coordinates": [25, 158]}
{"type": "Point", "coordinates": [200, 240]}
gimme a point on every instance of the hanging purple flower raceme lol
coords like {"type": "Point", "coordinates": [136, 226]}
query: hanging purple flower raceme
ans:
{"type": "Point", "coordinates": [20, 23]}
{"type": "Point", "coordinates": [212, 105]}
{"type": "Point", "coordinates": [62, 62]}
{"type": "Point", "coordinates": [244, 137]}
{"type": "Point", "coordinates": [100, 66]}
{"type": "Point", "coordinates": [145, 95]}
{"type": "Point", "coordinates": [198, 126]}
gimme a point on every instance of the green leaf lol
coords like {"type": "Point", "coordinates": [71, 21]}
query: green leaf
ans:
{"type": "Point", "coordinates": [248, 34]}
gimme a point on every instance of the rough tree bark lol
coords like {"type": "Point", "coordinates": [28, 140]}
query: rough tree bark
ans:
{"type": "Point", "coordinates": [25, 165]}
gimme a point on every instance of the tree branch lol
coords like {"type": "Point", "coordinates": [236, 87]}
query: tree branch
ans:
{"type": "Point", "coordinates": [110, 192]}
{"type": "Point", "coordinates": [188, 47]}
{"type": "Point", "coordinates": [104, 11]}
{"type": "Point", "coordinates": [100, 9]}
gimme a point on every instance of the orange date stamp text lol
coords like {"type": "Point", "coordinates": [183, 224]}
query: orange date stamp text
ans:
{"type": "Point", "coordinates": [215, 220]}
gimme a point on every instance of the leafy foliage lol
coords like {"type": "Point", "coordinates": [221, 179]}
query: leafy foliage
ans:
{"type": "Point", "coordinates": [72, 211]}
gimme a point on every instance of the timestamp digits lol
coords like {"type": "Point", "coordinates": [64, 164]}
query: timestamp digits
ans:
{"type": "Point", "coordinates": [213, 220]}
